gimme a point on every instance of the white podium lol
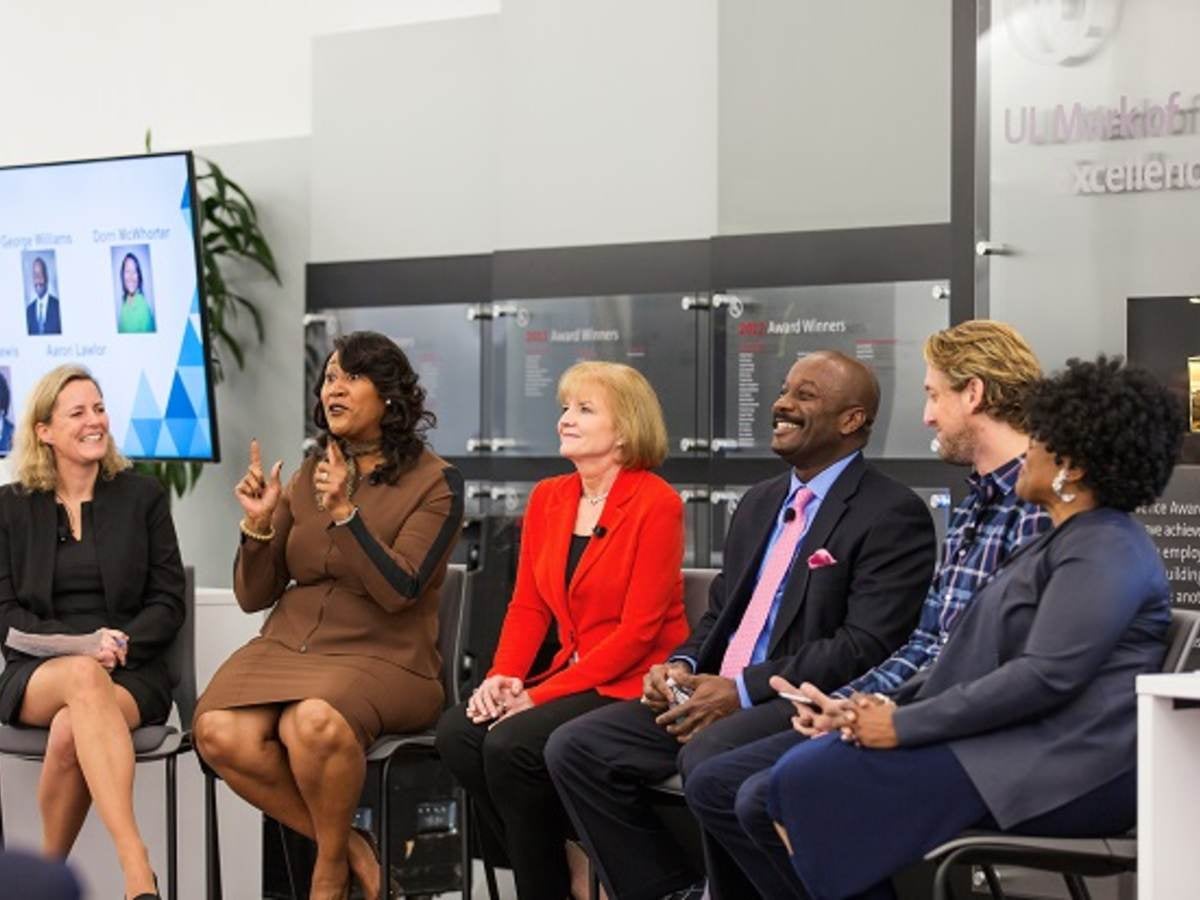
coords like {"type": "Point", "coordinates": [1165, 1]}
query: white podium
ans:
{"type": "Point", "coordinates": [1168, 786]}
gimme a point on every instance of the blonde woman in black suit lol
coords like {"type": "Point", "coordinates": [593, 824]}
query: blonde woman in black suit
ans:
{"type": "Point", "coordinates": [86, 547]}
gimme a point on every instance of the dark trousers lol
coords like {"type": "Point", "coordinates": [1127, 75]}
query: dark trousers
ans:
{"type": "Point", "coordinates": [728, 795]}
{"type": "Point", "coordinates": [504, 771]}
{"type": "Point", "coordinates": [601, 764]}
{"type": "Point", "coordinates": [855, 817]}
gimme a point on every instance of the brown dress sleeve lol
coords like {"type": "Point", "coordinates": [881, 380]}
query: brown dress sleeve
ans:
{"type": "Point", "coordinates": [260, 569]}
{"type": "Point", "coordinates": [395, 576]}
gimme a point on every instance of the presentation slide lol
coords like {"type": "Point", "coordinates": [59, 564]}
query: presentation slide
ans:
{"type": "Point", "coordinates": [99, 267]}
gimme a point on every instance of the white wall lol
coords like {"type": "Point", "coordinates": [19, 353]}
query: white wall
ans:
{"type": "Point", "coordinates": [87, 79]}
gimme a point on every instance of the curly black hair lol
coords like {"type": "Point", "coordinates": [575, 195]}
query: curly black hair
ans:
{"type": "Point", "coordinates": [1119, 425]}
{"type": "Point", "coordinates": [405, 419]}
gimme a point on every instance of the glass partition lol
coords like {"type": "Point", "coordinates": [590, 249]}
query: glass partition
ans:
{"type": "Point", "coordinates": [761, 332]}
{"type": "Point", "coordinates": [1088, 166]}
{"type": "Point", "coordinates": [444, 347]}
{"type": "Point", "coordinates": [535, 341]}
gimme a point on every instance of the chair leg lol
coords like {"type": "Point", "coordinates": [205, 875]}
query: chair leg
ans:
{"type": "Point", "coordinates": [385, 831]}
{"type": "Point", "coordinates": [287, 861]}
{"type": "Point", "coordinates": [172, 830]}
{"type": "Point", "coordinates": [941, 879]}
{"type": "Point", "coordinates": [1, 825]}
{"type": "Point", "coordinates": [993, 882]}
{"type": "Point", "coordinates": [1077, 887]}
{"type": "Point", "coordinates": [212, 847]}
{"type": "Point", "coordinates": [464, 836]}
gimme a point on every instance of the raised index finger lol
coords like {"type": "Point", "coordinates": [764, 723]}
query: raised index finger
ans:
{"type": "Point", "coordinates": [334, 453]}
{"type": "Point", "coordinates": [255, 455]}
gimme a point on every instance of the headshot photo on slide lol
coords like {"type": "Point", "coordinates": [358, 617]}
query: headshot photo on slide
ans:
{"type": "Point", "coordinates": [133, 289]}
{"type": "Point", "coordinates": [7, 420]}
{"type": "Point", "coordinates": [39, 275]}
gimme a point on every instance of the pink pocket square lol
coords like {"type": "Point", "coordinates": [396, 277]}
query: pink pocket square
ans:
{"type": "Point", "coordinates": [820, 559]}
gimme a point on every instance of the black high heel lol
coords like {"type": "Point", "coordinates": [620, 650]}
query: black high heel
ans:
{"type": "Point", "coordinates": [155, 896]}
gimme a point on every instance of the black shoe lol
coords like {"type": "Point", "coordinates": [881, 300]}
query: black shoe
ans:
{"type": "Point", "coordinates": [154, 896]}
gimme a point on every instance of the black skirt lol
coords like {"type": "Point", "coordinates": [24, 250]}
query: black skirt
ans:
{"type": "Point", "coordinates": [149, 685]}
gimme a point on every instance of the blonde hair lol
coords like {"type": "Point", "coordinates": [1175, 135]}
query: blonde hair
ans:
{"type": "Point", "coordinates": [637, 414]}
{"type": "Point", "coordinates": [34, 461]}
{"type": "Point", "coordinates": [995, 354]}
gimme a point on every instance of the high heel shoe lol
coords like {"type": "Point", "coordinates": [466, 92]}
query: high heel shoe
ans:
{"type": "Point", "coordinates": [394, 892]}
{"type": "Point", "coordinates": [154, 896]}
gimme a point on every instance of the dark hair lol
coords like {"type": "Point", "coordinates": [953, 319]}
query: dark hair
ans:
{"type": "Point", "coordinates": [5, 395]}
{"type": "Point", "coordinates": [405, 418]}
{"type": "Point", "coordinates": [1117, 424]}
{"type": "Point", "coordinates": [137, 267]}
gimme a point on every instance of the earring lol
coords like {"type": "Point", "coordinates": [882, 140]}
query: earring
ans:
{"type": "Point", "coordinates": [387, 402]}
{"type": "Point", "coordinates": [1058, 485]}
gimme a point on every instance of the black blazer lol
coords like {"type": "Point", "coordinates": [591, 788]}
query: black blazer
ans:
{"type": "Point", "coordinates": [53, 318]}
{"type": "Point", "coordinates": [1034, 691]}
{"type": "Point", "coordinates": [835, 622]}
{"type": "Point", "coordinates": [138, 554]}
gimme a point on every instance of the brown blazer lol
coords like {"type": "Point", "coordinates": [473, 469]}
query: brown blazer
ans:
{"type": "Point", "coordinates": [367, 588]}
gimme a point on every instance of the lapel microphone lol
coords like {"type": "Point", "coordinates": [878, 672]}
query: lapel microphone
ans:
{"type": "Point", "coordinates": [789, 514]}
{"type": "Point", "coordinates": [599, 531]}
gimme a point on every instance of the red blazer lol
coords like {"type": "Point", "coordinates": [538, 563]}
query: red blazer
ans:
{"type": "Point", "coordinates": [624, 609]}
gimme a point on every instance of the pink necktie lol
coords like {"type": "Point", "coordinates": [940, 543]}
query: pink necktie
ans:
{"type": "Point", "coordinates": [741, 647]}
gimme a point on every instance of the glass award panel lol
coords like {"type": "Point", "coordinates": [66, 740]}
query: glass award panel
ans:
{"type": "Point", "coordinates": [1088, 164]}
{"type": "Point", "coordinates": [763, 331]}
{"type": "Point", "coordinates": [724, 501]}
{"type": "Point", "coordinates": [535, 341]}
{"type": "Point", "coordinates": [443, 346]}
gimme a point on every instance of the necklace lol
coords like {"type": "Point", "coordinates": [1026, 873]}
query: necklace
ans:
{"type": "Point", "coordinates": [598, 499]}
{"type": "Point", "coordinates": [70, 514]}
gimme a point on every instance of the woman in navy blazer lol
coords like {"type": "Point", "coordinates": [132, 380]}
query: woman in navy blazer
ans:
{"type": "Point", "coordinates": [601, 551]}
{"type": "Point", "coordinates": [86, 548]}
{"type": "Point", "coordinates": [1027, 720]}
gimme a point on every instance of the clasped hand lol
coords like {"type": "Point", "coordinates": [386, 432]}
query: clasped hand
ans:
{"type": "Point", "coordinates": [114, 645]}
{"type": "Point", "coordinates": [863, 719]}
{"type": "Point", "coordinates": [497, 698]}
{"type": "Point", "coordinates": [712, 698]}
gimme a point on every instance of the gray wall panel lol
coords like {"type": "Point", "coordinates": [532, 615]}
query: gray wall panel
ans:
{"type": "Point", "coordinates": [404, 123]}
{"type": "Point", "coordinates": [609, 128]}
{"type": "Point", "coordinates": [833, 115]}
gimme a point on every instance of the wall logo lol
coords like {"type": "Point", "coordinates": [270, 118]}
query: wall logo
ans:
{"type": "Point", "coordinates": [1061, 32]}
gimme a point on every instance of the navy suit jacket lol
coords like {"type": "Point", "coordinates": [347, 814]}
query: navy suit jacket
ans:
{"type": "Point", "coordinates": [1034, 691]}
{"type": "Point", "coordinates": [53, 318]}
{"type": "Point", "coordinates": [837, 621]}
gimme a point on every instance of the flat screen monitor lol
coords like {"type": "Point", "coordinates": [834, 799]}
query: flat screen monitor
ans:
{"type": "Point", "coordinates": [100, 267]}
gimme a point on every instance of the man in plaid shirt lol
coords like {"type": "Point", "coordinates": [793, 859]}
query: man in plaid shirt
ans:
{"type": "Point", "coordinates": [976, 378]}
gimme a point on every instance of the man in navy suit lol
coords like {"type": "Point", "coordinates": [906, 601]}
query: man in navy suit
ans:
{"type": "Point", "coordinates": [42, 314]}
{"type": "Point", "coordinates": [837, 598]}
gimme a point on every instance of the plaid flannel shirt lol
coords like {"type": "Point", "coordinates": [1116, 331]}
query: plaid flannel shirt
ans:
{"type": "Point", "coordinates": [985, 529]}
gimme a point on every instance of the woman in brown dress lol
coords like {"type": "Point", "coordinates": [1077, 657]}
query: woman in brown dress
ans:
{"type": "Point", "coordinates": [349, 556]}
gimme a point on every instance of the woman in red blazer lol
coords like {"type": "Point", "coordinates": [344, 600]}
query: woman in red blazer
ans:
{"type": "Point", "coordinates": [601, 552]}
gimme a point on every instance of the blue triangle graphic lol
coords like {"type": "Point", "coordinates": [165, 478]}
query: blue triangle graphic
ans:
{"type": "Point", "coordinates": [197, 388]}
{"type": "Point", "coordinates": [133, 443]}
{"type": "Point", "coordinates": [166, 447]}
{"type": "Point", "coordinates": [182, 431]}
{"type": "Point", "coordinates": [195, 310]}
{"type": "Point", "coordinates": [147, 430]}
{"type": "Point", "coordinates": [202, 442]}
{"type": "Point", "coordinates": [186, 202]}
{"type": "Point", "coordinates": [192, 351]}
{"type": "Point", "coordinates": [144, 404]}
{"type": "Point", "coordinates": [179, 406]}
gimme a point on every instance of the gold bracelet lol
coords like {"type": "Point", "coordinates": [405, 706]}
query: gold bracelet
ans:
{"type": "Point", "coordinates": [255, 535]}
